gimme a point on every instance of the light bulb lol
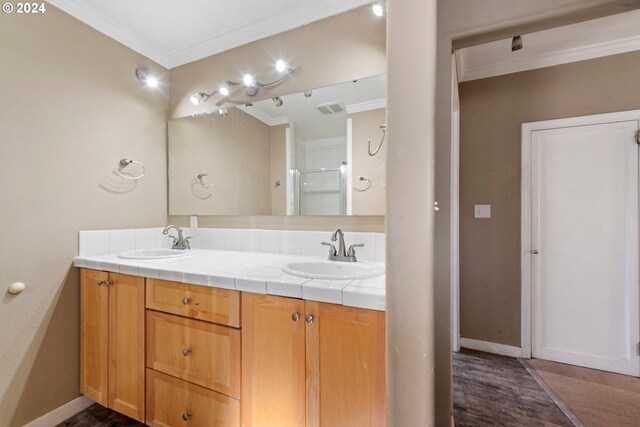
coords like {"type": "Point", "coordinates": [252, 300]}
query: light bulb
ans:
{"type": "Point", "coordinates": [281, 65]}
{"type": "Point", "coordinates": [197, 98]}
{"type": "Point", "coordinates": [224, 91]}
{"type": "Point", "coordinates": [247, 80]}
{"type": "Point", "coordinates": [151, 82]}
{"type": "Point", "coordinates": [378, 9]}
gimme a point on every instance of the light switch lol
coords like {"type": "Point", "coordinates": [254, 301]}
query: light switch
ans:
{"type": "Point", "coordinates": [482, 211]}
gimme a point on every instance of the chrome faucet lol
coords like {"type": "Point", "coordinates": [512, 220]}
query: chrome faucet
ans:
{"type": "Point", "coordinates": [181, 242]}
{"type": "Point", "coordinates": [341, 254]}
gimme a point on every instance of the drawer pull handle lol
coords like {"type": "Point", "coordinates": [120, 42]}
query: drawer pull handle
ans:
{"type": "Point", "coordinates": [186, 351]}
{"type": "Point", "coordinates": [310, 318]}
{"type": "Point", "coordinates": [295, 316]}
{"type": "Point", "coordinates": [186, 415]}
{"type": "Point", "coordinates": [186, 301]}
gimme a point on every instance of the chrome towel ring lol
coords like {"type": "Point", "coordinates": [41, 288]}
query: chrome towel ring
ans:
{"type": "Point", "coordinates": [126, 162]}
{"type": "Point", "coordinates": [200, 180]}
{"type": "Point", "coordinates": [383, 128]}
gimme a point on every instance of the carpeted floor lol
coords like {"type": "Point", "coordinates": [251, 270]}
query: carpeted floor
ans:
{"type": "Point", "coordinates": [596, 398]}
{"type": "Point", "coordinates": [491, 390]}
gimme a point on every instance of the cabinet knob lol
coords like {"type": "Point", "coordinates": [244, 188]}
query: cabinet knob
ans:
{"type": "Point", "coordinates": [186, 351]}
{"type": "Point", "coordinates": [186, 415]}
{"type": "Point", "coordinates": [108, 283]}
{"type": "Point", "coordinates": [295, 316]}
{"type": "Point", "coordinates": [186, 301]}
{"type": "Point", "coordinates": [101, 282]}
{"type": "Point", "coordinates": [310, 318]}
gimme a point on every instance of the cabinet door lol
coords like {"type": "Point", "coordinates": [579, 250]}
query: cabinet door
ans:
{"type": "Point", "coordinates": [345, 367]}
{"type": "Point", "coordinates": [273, 361]}
{"type": "Point", "coordinates": [126, 345]}
{"type": "Point", "coordinates": [94, 335]}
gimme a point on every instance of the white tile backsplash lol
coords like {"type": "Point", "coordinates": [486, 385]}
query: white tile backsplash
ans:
{"type": "Point", "coordinates": [93, 243]}
{"type": "Point", "coordinates": [294, 243]}
{"type": "Point", "coordinates": [122, 241]}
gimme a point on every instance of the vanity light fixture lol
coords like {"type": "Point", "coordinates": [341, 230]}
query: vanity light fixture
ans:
{"type": "Point", "coordinates": [146, 78]}
{"type": "Point", "coordinates": [278, 101]}
{"type": "Point", "coordinates": [249, 83]}
{"type": "Point", "coordinates": [378, 9]}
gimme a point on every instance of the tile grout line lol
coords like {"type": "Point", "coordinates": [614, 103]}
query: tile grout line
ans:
{"type": "Point", "coordinates": [556, 399]}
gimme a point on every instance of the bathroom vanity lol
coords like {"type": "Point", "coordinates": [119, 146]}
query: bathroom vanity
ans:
{"type": "Point", "coordinates": [180, 342]}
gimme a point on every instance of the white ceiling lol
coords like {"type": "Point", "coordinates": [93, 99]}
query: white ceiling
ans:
{"type": "Point", "coordinates": [308, 122]}
{"type": "Point", "coordinates": [585, 40]}
{"type": "Point", "coordinates": [175, 32]}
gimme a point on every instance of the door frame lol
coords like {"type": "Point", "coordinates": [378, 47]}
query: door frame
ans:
{"type": "Point", "coordinates": [526, 205]}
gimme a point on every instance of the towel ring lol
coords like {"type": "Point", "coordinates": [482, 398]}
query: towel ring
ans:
{"type": "Point", "coordinates": [366, 186]}
{"type": "Point", "coordinates": [383, 128]}
{"type": "Point", "coordinates": [200, 180]}
{"type": "Point", "coordinates": [126, 162]}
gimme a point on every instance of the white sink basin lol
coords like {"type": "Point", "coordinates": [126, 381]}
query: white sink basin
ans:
{"type": "Point", "coordinates": [156, 254]}
{"type": "Point", "coordinates": [333, 270]}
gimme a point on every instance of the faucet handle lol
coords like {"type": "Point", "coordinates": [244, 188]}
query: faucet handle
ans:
{"type": "Point", "coordinates": [332, 249]}
{"type": "Point", "coordinates": [187, 242]}
{"type": "Point", "coordinates": [352, 251]}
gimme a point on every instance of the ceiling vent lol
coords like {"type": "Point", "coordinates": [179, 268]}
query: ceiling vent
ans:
{"type": "Point", "coordinates": [330, 108]}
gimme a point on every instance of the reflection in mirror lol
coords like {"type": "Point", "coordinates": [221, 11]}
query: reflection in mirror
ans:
{"type": "Point", "coordinates": [302, 154]}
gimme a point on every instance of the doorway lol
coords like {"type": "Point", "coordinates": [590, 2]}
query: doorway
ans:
{"type": "Point", "coordinates": [580, 241]}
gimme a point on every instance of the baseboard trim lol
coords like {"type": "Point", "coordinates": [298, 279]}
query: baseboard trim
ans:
{"type": "Point", "coordinates": [491, 347]}
{"type": "Point", "coordinates": [61, 413]}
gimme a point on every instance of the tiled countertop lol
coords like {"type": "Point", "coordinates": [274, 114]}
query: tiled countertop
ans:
{"type": "Point", "coordinates": [249, 272]}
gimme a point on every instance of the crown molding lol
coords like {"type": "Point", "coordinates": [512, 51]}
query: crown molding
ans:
{"type": "Point", "coordinates": [367, 106]}
{"type": "Point", "coordinates": [566, 56]}
{"type": "Point", "coordinates": [109, 28]}
{"type": "Point", "coordinates": [294, 17]}
{"type": "Point", "coordinates": [264, 118]}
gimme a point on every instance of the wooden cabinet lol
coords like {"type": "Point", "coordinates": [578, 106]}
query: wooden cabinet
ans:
{"type": "Point", "coordinates": [313, 364]}
{"type": "Point", "coordinates": [200, 352]}
{"type": "Point", "coordinates": [175, 403]}
{"type": "Point", "coordinates": [199, 302]}
{"type": "Point", "coordinates": [94, 335]}
{"type": "Point", "coordinates": [193, 355]}
{"type": "Point", "coordinates": [112, 341]}
{"type": "Point", "coordinates": [273, 361]}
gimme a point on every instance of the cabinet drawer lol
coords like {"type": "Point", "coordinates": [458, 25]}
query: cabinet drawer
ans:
{"type": "Point", "coordinates": [200, 302]}
{"type": "Point", "coordinates": [199, 352]}
{"type": "Point", "coordinates": [175, 403]}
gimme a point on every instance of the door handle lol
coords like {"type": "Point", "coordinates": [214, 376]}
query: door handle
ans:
{"type": "Point", "coordinates": [535, 252]}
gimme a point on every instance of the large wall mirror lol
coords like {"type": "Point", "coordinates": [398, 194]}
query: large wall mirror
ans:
{"type": "Point", "coordinates": [306, 153]}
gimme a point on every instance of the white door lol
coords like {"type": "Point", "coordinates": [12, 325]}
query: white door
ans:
{"type": "Point", "coordinates": [584, 228]}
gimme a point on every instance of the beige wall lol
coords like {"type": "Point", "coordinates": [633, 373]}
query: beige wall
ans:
{"type": "Point", "coordinates": [278, 139]}
{"type": "Point", "coordinates": [365, 126]}
{"type": "Point", "coordinates": [492, 111]}
{"type": "Point", "coordinates": [234, 151]}
{"type": "Point", "coordinates": [70, 109]}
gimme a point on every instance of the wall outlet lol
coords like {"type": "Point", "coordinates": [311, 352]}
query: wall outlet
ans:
{"type": "Point", "coordinates": [193, 221]}
{"type": "Point", "coordinates": [482, 211]}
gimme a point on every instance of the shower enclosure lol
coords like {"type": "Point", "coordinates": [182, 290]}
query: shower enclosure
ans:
{"type": "Point", "coordinates": [320, 191]}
